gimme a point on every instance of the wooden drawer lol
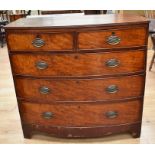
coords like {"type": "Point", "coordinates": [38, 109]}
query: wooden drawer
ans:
{"type": "Point", "coordinates": [80, 89]}
{"type": "Point", "coordinates": [40, 42]}
{"type": "Point", "coordinates": [92, 64]}
{"type": "Point", "coordinates": [81, 114]}
{"type": "Point", "coordinates": [112, 38]}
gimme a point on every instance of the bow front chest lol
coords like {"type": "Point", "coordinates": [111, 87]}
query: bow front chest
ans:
{"type": "Point", "coordinates": [79, 76]}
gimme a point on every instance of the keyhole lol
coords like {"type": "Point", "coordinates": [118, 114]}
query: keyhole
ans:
{"type": "Point", "coordinates": [76, 57]}
{"type": "Point", "coordinates": [113, 33]}
{"type": "Point", "coordinates": [37, 36]}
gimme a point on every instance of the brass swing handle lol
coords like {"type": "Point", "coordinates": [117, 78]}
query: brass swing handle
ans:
{"type": "Point", "coordinates": [112, 89]}
{"type": "Point", "coordinates": [113, 39]}
{"type": "Point", "coordinates": [112, 63]}
{"type": "Point", "coordinates": [41, 65]}
{"type": "Point", "coordinates": [47, 115]}
{"type": "Point", "coordinates": [44, 90]}
{"type": "Point", "coordinates": [111, 114]}
{"type": "Point", "coordinates": [38, 42]}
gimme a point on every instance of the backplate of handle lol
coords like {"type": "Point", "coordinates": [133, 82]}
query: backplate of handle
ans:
{"type": "Point", "coordinates": [112, 89]}
{"type": "Point", "coordinates": [113, 39]}
{"type": "Point", "coordinates": [41, 65]}
{"type": "Point", "coordinates": [111, 114]}
{"type": "Point", "coordinates": [38, 42]}
{"type": "Point", "coordinates": [47, 115]}
{"type": "Point", "coordinates": [44, 90]}
{"type": "Point", "coordinates": [112, 63]}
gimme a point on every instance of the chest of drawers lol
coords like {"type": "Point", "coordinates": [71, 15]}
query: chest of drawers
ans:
{"type": "Point", "coordinates": [79, 76]}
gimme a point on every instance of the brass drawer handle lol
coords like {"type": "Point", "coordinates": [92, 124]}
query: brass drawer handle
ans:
{"type": "Point", "coordinates": [113, 39]}
{"type": "Point", "coordinates": [41, 65]}
{"type": "Point", "coordinates": [112, 89]}
{"type": "Point", "coordinates": [44, 90]}
{"type": "Point", "coordinates": [111, 114]}
{"type": "Point", "coordinates": [112, 63]}
{"type": "Point", "coordinates": [38, 42]}
{"type": "Point", "coordinates": [47, 115]}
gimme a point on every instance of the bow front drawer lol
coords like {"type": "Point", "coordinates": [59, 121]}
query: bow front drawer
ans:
{"type": "Point", "coordinates": [80, 89]}
{"type": "Point", "coordinates": [40, 41]}
{"type": "Point", "coordinates": [81, 114]}
{"type": "Point", "coordinates": [92, 64]}
{"type": "Point", "coordinates": [112, 38]}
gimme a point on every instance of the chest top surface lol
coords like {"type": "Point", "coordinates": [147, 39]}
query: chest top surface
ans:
{"type": "Point", "coordinates": [72, 21]}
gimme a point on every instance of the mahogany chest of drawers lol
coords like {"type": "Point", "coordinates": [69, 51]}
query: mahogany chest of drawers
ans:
{"type": "Point", "coordinates": [80, 76]}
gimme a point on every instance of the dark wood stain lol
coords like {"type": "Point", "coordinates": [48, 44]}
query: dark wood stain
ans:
{"type": "Point", "coordinates": [82, 132]}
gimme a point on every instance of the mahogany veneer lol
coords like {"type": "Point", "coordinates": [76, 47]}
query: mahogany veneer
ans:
{"type": "Point", "coordinates": [80, 89]}
{"type": "Point", "coordinates": [85, 64]}
{"type": "Point", "coordinates": [97, 39]}
{"type": "Point", "coordinates": [79, 76]}
{"type": "Point", "coordinates": [56, 41]}
{"type": "Point", "coordinates": [94, 114]}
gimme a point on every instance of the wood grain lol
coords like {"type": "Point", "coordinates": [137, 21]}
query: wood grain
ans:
{"type": "Point", "coordinates": [129, 37]}
{"type": "Point", "coordinates": [77, 21]}
{"type": "Point", "coordinates": [79, 90]}
{"type": "Point", "coordinates": [74, 133]}
{"type": "Point", "coordinates": [10, 126]}
{"type": "Point", "coordinates": [53, 41]}
{"type": "Point", "coordinates": [86, 64]}
{"type": "Point", "coordinates": [74, 93]}
{"type": "Point", "coordinates": [81, 115]}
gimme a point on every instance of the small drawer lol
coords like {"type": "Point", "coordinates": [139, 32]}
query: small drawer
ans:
{"type": "Point", "coordinates": [79, 89]}
{"type": "Point", "coordinates": [91, 64]}
{"type": "Point", "coordinates": [89, 114]}
{"type": "Point", "coordinates": [112, 38]}
{"type": "Point", "coordinates": [40, 41]}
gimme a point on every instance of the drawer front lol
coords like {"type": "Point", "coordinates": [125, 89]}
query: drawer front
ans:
{"type": "Point", "coordinates": [81, 114]}
{"type": "Point", "coordinates": [40, 42]}
{"type": "Point", "coordinates": [112, 38]}
{"type": "Point", "coordinates": [80, 90]}
{"type": "Point", "coordinates": [78, 64]}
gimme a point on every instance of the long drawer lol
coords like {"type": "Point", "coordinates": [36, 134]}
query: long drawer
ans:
{"type": "Point", "coordinates": [81, 114]}
{"type": "Point", "coordinates": [80, 89]}
{"type": "Point", "coordinates": [87, 64]}
{"type": "Point", "coordinates": [112, 38]}
{"type": "Point", "coordinates": [40, 41]}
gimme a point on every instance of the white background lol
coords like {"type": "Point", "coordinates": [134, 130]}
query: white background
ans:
{"type": "Point", "coordinates": [78, 4]}
{"type": "Point", "coordinates": [82, 149]}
